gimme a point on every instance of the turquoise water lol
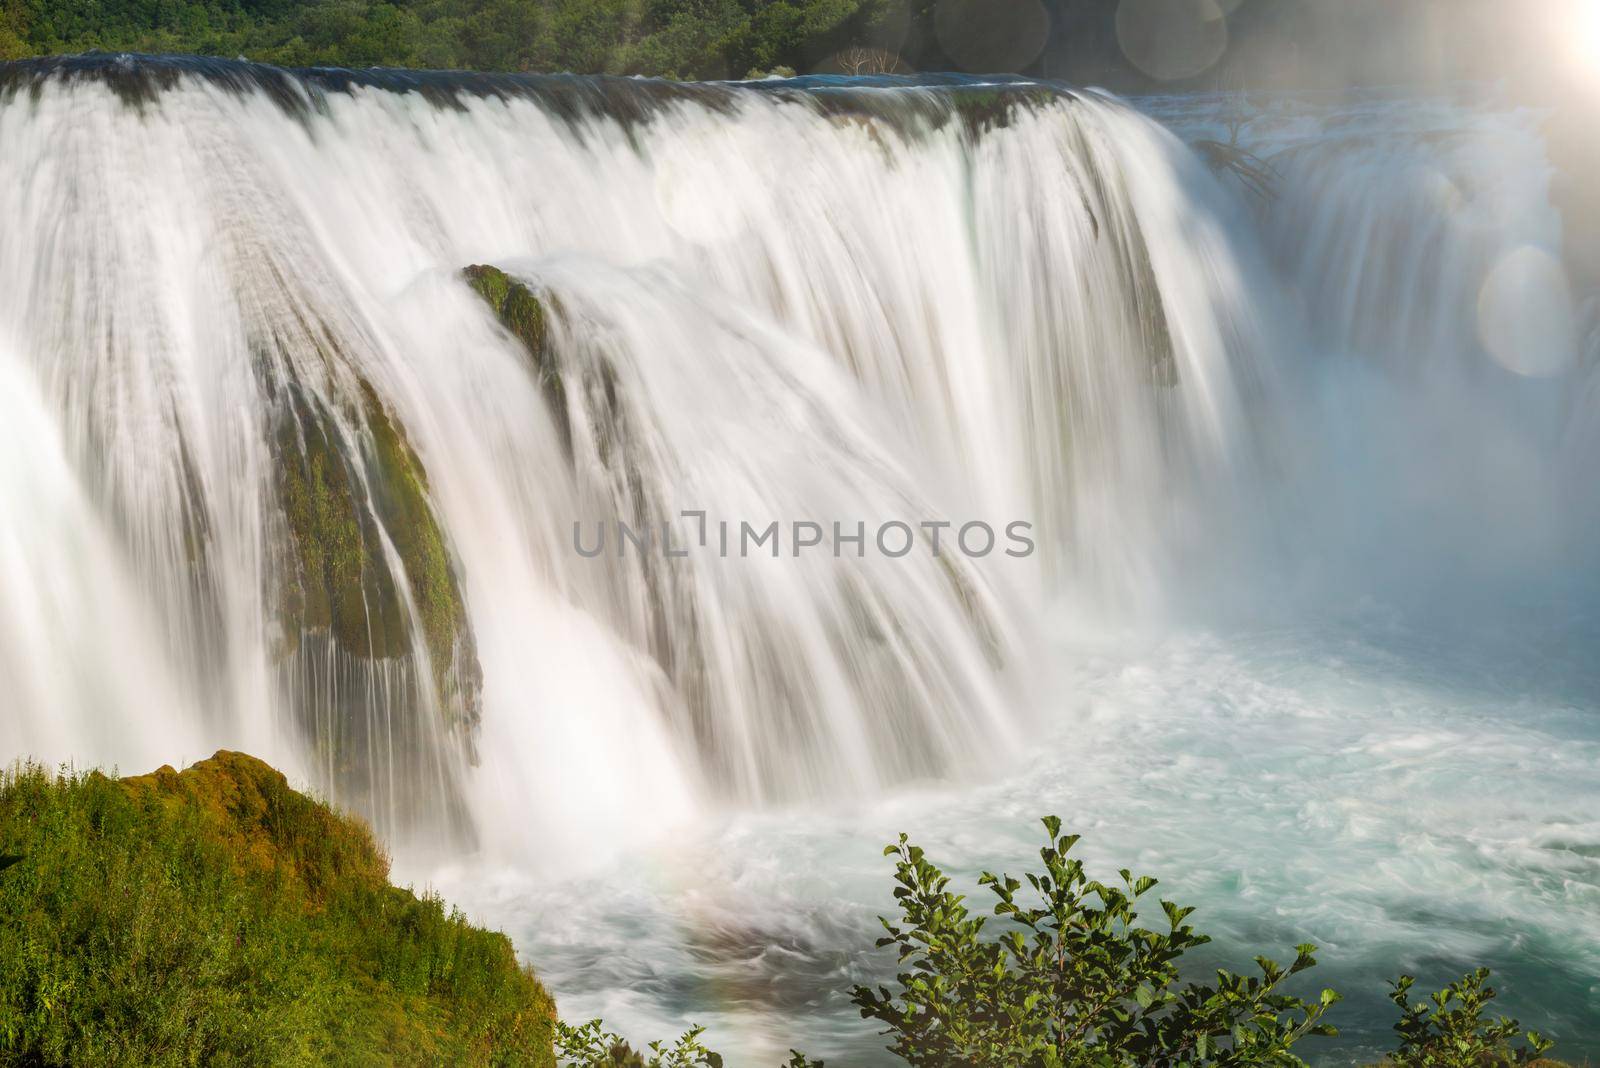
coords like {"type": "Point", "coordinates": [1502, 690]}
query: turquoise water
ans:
{"type": "Point", "coordinates": [1409, 798]}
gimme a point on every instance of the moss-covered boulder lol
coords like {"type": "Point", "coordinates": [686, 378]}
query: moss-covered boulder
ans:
{"type": "Point", "coordinates": [217, 916]}
{"type": "Point", "coordinates": [342, 501]}
{"type": "Point", "coordinates": [520, 311]}
{"type": "Point", "coordinates": [512, 302]}
{"type": "Point", "coordinates": [339, 580]}
{"type": "Point", "coordinates": [400, 500]}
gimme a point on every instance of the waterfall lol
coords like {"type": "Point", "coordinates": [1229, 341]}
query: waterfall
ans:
{"type": "Point", "coordinates": [278, 477]}
{"type": "Point", "coordinates": [290, 486]}
{"type": "Point", "coordinates": [1428, 259]}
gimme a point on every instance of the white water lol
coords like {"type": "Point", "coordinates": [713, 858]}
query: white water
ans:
{"type": "Point", "coordinates": [1309, 632]}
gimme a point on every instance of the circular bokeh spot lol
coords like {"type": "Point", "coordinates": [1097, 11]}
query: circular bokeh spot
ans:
{"type": "Point", "coordinates": [887, 25]}
{"type": "Point", "coordinates": [1172, 39]}
{"type": "Point", "coordinates": [1525, 314]}
{"type": "Point", "coordinates": [991, 36]}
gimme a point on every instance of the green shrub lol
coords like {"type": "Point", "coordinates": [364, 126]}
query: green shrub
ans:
{"type": "Point", "coordinates": [590, 1045]}
{"type": "Point", "coordinates": [1076, 981]}
{"type": "Point", "coordinates": [1449, 1031]}
{"type": "Point", "coordinates": [217, 917]}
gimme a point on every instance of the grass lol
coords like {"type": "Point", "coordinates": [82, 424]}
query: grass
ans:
{"type": "Point", "coordinates": [215, 916]}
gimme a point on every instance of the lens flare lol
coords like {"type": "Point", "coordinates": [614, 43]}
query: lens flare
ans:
{"type": "Point", "coordinates": [1585, 31]}
{"type": "Point", "coordinates": [1525, 314]}
{"type": "Point", "coordinates": [1172, 39]}
{"type": "Point", "coordinates": [989, 36]}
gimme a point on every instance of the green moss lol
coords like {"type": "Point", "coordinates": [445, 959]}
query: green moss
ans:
{"type": "Point", "coordinates": [513, 303]}
{"type": "Point", "coordinates": [216, 916]}
{"type": "Point", "coordinates": [247, 806]}
{"type": "Point", "coordinates": [523, 315]}
{"type": "Point", "coordinates": [340, 576]}
{"type": "Point", "coordinates": [984, 109]}
{"type": "Point", "coordinates": [341, 581]}
{"type": "Point", "coordinates": [400, 492]}
{"type": "Point", "coordinates": [490, 283]}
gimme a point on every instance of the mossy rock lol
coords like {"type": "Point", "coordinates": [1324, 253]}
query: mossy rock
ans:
{"type": "Point", "coordinates": [338, 507]}
{"type": "Point", "coordinates": [522, 314]}
{"type": "Point", "coordinates": [341, 582]}
{"type": "Point", "coordinates": [984, 108]}
{"type": "Point", "coordinates": [513, 303]}
{"type": "Point", "coordinates": [400, 496]}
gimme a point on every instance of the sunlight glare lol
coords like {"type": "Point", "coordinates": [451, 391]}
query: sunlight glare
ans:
{"type": "Point", "coordinates": [1586, 32]}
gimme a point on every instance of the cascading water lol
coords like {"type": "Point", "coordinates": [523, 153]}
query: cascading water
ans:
{"type": "Point", "coordinates": [282, 474]}
{"type": "Point", "coordinates": [232, 289]}
{"type": "Point", "coordinates": [1451, 362]}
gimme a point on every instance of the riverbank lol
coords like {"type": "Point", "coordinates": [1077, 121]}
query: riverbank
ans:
{"type": "Point", "coordinates": [215, 915]}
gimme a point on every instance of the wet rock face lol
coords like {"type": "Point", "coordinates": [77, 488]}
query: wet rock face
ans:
{"type": "Point", "coordinates": [373, 648]}
{"type": "Point", "coordinates": [342, 505]}
{"type": "Point", "coordinates": [400, 497]}
{"type": "Point", "coordinates": [521, 313]}
{"type": "Point", "coordinates": [341, 582]}
{"type": "Point", "coordinates": [139, 81]}
{"type": "Point", "coordinates": [518, 310]}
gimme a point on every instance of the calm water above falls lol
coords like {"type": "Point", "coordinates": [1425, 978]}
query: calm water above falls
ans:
{"type": "Point", "coordinates": [1309, 633]}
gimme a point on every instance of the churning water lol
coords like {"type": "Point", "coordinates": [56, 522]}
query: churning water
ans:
{"type": "Point", "coordinates": [1309, 631]}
